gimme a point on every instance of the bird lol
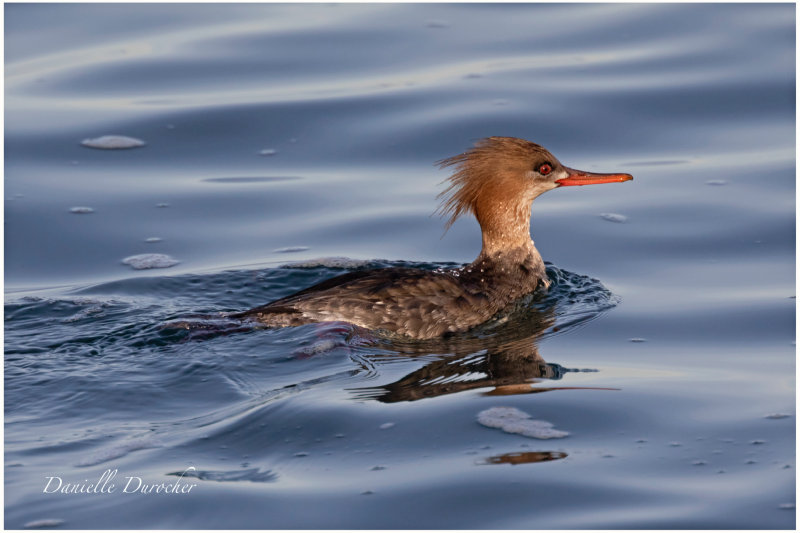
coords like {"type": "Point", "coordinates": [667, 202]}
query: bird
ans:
{"type": "Point", "coordinates": [496, 180]}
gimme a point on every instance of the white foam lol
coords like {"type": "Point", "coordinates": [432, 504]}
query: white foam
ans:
{"type": "Point", "coordinates": [267, 152]}
{"type": "Point", "coordinates": [330, 262]}
{"type": "Point", "coordinates": [120, 450]}
{"type": "Point", "coordinates": [153, 239]}
{"type": "Point", "coordinates": [81, 210]}
{"type": "Point", "coordinates": [323, 346]}
{"type": "Point", "coordinates": [716, 182]}
{"type": "Point", "coordinates": [437, 24]}
{"type": "Point", "coordinates": [290, 249]}
{"type": "Point", "coordinates": [512, 420]}
{"type": "Point", "coordinates": [144, 261]}
{"type": "Point", "coordinates": [614, 217]}
{"type": "Point", "coordinates": [44, 522]}
{"type": "Point", "coordinates": [113, 142]}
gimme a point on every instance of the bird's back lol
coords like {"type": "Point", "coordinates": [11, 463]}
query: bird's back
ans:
{"type": "Point", "coordinates": [417, 303]}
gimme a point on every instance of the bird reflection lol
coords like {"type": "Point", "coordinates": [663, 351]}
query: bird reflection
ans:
{"type": "Point", "coordinates": [518, 458]}
{"type": "Point", "coordinates": [502, 355]}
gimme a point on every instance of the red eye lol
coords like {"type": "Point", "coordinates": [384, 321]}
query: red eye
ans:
{"type": "Point", "coordinates": [545, 169]}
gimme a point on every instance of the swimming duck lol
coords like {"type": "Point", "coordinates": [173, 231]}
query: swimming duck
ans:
{"type": "Point", "coordinates": [496, 180]}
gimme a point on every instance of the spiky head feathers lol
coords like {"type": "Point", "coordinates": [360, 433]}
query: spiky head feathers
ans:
{"type": "Point", "coordinates": [495, 166]}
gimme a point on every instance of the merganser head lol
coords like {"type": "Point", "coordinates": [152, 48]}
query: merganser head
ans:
{"type": "Point", "coordinates": [500, 176]}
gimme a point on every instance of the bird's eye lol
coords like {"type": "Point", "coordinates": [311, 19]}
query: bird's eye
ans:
{"type": "Point", "coordinates": [545, 169]}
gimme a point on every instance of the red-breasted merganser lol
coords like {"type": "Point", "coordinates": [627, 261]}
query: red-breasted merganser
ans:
{"type": "Point", "coordinates": [496, 180]}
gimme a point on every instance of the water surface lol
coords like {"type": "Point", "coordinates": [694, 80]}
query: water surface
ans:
{"type": "Point", "coordinates": [284, 133]}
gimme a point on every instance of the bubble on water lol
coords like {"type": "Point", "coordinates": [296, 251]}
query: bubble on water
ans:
{"type": "Point", "coordinates": [301, 454]}
{"type": "Point", "coordinates": [329, 262]}
{"type": "Point", "coordinates": [81, 210]}
{"type": "Point", "coordinates": [786, 506]}
{"type": "Point", "coordinates": [699, 463]}
{"type": "Point", "coordinates": [146, 261]}
{"type": "Point", "coordinates": [255, 475]}
{"type": "Point", "coordinates": [614, 217]}
{"type": "Point", "coordinates": [317, 348]}
{"type": "Point", "coordinates": [717, 182]}
{"type": "Point", "coordinates": [437, 24]}
{"type": "Point", "coordinates": [512, 420]}
{"type": "Point", "coordinates": [641, 441]}
{"type": "Point", "coordinates": [93, 311]}
{"type": "Point", "coordinates": [170, 126]}
{"type": "Point", "coordinates": [162, 205]}
{"type": "Point", "coordinates": [750, 462]}
{"type": "Point", "coordinates": [290, 249]}
{"type": "Point", "coordinates": [113, 142]}
{"type": "Point", "coordinates": [119, 450]}
{"type": "Point", "coordinates": [637, 339]}
{"type": "Point", "coordinates": [153, 239]}
{"type": "Point", "coordinates": [387, 425]}
{"type": "Point", "coordinates": [758, 442]}
{"type": "Point", "coordinates": [44, 522]}
{"type": "Point", "coordinates": [377, 467]}
{"type": "Point", "coordinates": [777, 416]}
{"type": "Point", "coordinates": [339, 435]}
{"type": "Point", "coordinates": [266, 152]}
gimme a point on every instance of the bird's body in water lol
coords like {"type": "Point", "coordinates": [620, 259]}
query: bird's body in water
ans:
{"type": "Point", "coordinates": [496, 180]}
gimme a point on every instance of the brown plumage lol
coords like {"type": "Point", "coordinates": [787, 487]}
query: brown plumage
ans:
{"type": "Point", "coordinates": [496, 180]}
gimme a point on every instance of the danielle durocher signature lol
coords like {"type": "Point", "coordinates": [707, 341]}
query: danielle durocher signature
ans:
{"type": "Point", "coordinates": [107, 483]}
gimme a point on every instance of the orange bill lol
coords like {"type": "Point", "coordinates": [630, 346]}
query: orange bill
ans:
{"type": "Point", "coordinates": [580, 177]}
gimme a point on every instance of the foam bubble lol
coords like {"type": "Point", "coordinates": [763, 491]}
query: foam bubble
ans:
{"type": "Point", "coordinates": [255, 475]}
{"type": "Point", "coordinates": [119, 450]}
{"type": "Point", "coordinates": [614, 217]}
{"type": "Point", "coordinates": [437, 24]}
{"type": "Point", "coordinates": [113, 142]}
{"type": "Point", "coordinates": [329, 262]}
{"type": "Point", "coordinates": [44, 522]}
{"type": "Point", "coordinates": [290, 249]}
{"type": "Point", "coordinates": [81, 210]}
{"type": "Point", "coordinates": [512, 420]}
{"type": "Point", "coordinates": [145, 261]}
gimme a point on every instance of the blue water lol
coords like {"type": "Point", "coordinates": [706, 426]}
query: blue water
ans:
{"type": "Point", "coordinates": [666, 346]}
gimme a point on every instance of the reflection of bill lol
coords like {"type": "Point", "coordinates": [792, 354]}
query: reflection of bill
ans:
{"type": "Point", "coordinates": [518, 458]}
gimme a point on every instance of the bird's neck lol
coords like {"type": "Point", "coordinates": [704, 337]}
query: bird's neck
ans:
{"type": "Point", "coordinates": [505, 226]}
{"type": "Point", "coordinates": [508, 254]}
